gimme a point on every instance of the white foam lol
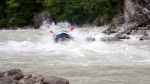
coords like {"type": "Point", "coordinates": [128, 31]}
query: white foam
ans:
{"type": "Point", "coordinates": [79, 50]}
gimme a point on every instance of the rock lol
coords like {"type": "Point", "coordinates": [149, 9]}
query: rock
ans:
{"type": "Point", "coordinates": [26, 81]}
{"type": "Point", "coordinates": [142, 28]}
{"type": "Point", "coordinates": [4, 80]}
{"type": "Point", "coordinates": [119, 19]}
{"type": "Point", "coordinates": [41, 17]}
{"type": "Point", "coordinates": [15, 74]}
{"type": "Point", "coordinates": [148, 27]}
{"type": "Point", "coordinates": [90, 39]}
{"type": "Point", "coordinates": [144, 37]}
{"type": "Point", "coordinates": [28, 76]}
{"type": "Point", "coordinates": [137, 11]}
{"type": "Point", "coordinates": [37, 79]}
{"type": "Point", "coordinates": [111, 29]}
{"type": "Point", "coordinates": [139, 32]}
{"type": "Point", "coordinates": [106, 32]}
{"type": "Point", "coordinates": [53, 80]}
{"type": "Point", "coordinates": [127, 37]}
{"type": "Point", "coordinates": [2, 74]}
{"type": "Point", "coordinates": [110, 38]}
{"type": "Point", "coordinates": [123, 36]}
{"type": "Point", "coordinates": [99, 21]}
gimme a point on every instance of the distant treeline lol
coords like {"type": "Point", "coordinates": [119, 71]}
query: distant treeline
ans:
{"type": "Point", "coordinates": [21, 12]}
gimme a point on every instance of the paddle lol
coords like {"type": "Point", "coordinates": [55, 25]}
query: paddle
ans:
{"type": "Point", "coordinates": [72, 28]}
{"type": "Point", "coordinates": [52, 32]}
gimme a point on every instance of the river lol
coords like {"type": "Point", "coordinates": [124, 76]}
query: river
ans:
{"type": "Point", "coordinates": [33, 51]}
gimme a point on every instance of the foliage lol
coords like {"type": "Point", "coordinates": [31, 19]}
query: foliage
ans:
{"type": "Point", "coordinates": [3, 22]}
{"type": "Point", "coordinates": [21, 12]}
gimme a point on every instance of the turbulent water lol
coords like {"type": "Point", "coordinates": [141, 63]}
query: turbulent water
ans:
{"type": "Point", "coordinates": [33, 51]}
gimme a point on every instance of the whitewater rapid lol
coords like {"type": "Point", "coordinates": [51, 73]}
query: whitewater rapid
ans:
{"type": "Point", "coordinates": [79, 61]}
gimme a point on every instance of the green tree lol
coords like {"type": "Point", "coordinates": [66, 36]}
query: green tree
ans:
{"type": "Point", "coordinates": [21, 12]}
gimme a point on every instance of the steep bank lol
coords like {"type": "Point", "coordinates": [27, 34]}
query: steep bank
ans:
{"type": "Point", "coordinates": [137, 11]}
{"type": "Point", "coordinates": [137, 21]}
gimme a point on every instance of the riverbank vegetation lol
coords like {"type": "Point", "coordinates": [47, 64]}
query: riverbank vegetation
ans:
{"type": "Point", "coordinates": [21, 12]}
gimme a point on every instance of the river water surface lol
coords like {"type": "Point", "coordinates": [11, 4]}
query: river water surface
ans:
{"type": "Point", "coordinates": [33, 51]}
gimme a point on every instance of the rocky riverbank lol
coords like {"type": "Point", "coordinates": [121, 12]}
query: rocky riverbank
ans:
{"type": "Point", "coordinates": [137, 21]}
{"type": "Point", "coordinates": [16, 76]}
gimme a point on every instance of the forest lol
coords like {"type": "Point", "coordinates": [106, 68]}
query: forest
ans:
{"type": "Point", "coordinates": [22, 12]}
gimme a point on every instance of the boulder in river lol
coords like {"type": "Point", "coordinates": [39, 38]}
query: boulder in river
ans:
{"type": "Point", "coordinates": [41, 17]}
{"type": "Point", "coordinates": [90, 39]}
{"type": "Point", "coordinates": [53, 80]}
{"type": "Point", "coordinates": [16, 76]}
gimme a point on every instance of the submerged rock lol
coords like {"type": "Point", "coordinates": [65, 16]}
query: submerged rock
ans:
{"type": "Point", "coordinates": [90, 39]}
{"type": "Point", "coordinates": [53, 80]}
{"type": "Point", "coordinates": [109, 38]}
